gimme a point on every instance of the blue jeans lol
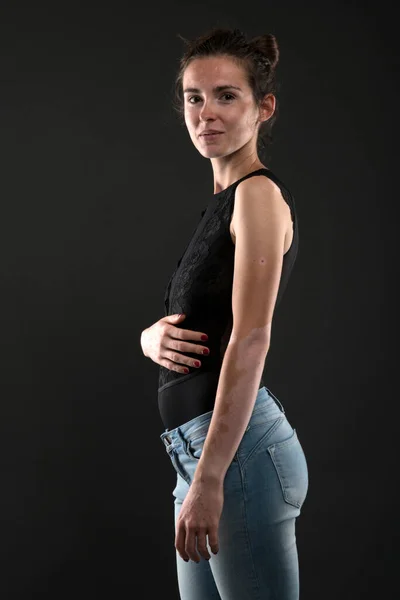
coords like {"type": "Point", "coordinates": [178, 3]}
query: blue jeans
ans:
{"type": "Point", "coordinates": [264, 489]}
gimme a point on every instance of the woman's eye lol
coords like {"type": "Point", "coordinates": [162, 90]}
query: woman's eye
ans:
{"type": "Point", "coordinates": [191, 98]}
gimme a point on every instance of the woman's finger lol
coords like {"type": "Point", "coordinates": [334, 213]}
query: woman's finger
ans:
{"type": "Point", "coordinates": [213, 540]}
{"type": "Point", "coordinates": [190, 544]}
{"type": "Point", "coordinates": [180, 541]}
{"type": "Point", "coordinates": [202, 544]}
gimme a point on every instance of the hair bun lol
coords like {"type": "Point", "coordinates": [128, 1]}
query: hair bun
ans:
{"type": "Point", "coordinates": [267, 45]}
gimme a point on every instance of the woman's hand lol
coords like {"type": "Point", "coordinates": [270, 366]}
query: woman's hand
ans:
{"type": "Point", "coordinates": [163, 343]}
{"type": "Point", "coordinates": [199, 516]}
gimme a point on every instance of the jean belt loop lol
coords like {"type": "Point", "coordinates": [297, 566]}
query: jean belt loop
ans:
{"type": "Point", "coordinates": [276, 400]}
{"type": "Point", "coordinates": [180, 435]}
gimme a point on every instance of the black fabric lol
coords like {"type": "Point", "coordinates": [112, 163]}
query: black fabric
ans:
{"type": "Point", "coordinates": [201, 287]}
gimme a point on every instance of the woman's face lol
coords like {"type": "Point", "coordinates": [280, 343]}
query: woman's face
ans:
{"type": "Point", "coordinates": [231, 111]}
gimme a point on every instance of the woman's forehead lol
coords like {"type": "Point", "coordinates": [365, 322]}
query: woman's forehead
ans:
{"type": "Point", "coordinates": [212, 71]}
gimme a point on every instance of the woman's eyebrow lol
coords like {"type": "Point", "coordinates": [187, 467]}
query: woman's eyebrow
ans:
{"type": "Point", "coordinates": [218, 88]}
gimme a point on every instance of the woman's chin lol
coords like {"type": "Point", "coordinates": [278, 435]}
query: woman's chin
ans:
{"type": "Point", "coordinates": [211, 152]}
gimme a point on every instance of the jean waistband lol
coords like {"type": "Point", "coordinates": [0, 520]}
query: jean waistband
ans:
{"type": "Point", "coordinates": [186, 429]}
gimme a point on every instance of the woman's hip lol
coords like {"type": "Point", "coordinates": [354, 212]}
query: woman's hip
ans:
{"type": "Point", "coordinates": [270, 447]}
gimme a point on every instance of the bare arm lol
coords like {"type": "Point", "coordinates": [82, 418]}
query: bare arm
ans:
{"type": "Point", "coordinates": [237, 390]}
{"type": "Point", "coordinates": [262, 220]}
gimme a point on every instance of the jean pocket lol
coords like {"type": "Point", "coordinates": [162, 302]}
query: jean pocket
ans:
{"type": "Point", "coordinates": [291, 466]}
{"type": "Point", "coordinates": [194, 447]}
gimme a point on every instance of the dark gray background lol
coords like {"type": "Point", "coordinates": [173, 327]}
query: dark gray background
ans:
{"type": "Point", "coordinates": [100, 187]}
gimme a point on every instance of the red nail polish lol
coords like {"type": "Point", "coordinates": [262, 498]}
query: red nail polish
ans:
{"type": "Point", "coordinates": [204, 337]}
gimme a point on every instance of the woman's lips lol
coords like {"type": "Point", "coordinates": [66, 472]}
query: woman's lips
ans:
{"type": "Point", "coordinates": [211, 136]}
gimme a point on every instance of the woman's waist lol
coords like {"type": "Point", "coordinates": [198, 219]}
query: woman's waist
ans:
{"type": "Point", "coordinates": [192, 414]}
{"type": "Point", "coordinates": [209, 370]}
{"type": "Point", "coordinates": [182, 400]}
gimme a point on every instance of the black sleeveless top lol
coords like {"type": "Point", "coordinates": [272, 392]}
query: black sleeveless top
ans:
{"type": "Point", "coordinates": [201, 288]}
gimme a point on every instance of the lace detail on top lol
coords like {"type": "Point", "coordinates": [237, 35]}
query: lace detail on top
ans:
{"type": "Point", "coordinates": [201, 284]}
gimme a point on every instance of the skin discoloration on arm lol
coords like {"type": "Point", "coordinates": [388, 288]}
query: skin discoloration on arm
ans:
{"type": "Point", "coordinates": [260, 232]}
{"type": "Point", "coordinates": [237, 389]}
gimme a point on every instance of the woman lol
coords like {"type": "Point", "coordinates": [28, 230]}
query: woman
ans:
{"type": "Point", "coordinates": [241, 472]}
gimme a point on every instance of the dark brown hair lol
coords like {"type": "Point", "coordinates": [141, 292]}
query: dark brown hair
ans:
{"type": "Point", "coordinates": [258, 56]}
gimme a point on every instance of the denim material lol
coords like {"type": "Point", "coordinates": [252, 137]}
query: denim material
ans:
{"type": "Point", "coordinates": [264, 489]}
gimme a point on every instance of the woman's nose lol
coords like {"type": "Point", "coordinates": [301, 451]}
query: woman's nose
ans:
{"type": "Point", "coordinates": [207, 112]}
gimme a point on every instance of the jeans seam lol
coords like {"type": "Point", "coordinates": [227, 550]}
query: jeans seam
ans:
{"type": "Point", "coordinates": [248, 541]}
{"type": "Point", "coordinates": [263, 422]}
{"type": "Point", "coordinates": [279, 420]}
